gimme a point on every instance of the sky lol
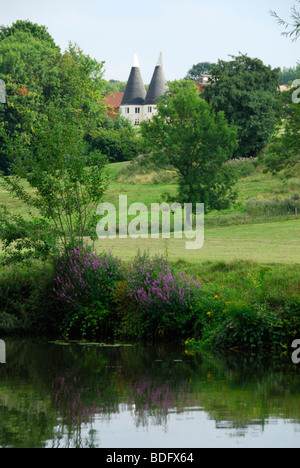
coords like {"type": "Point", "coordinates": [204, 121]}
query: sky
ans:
{"type": "Point", "coordinates": [185, 31]}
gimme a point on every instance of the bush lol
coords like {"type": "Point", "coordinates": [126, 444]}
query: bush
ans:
{"type": "Point", "coordinates": [117, 144]}
{"type": "Point", "coordinates": [164, 298]}
{"type": "Point", "coordinates": [84, 283]}
{"type": "Point", "coordinates": [248, 324]}
{"type": "Point", "coordinates": [26, 302]}
{"type": "Point", "coordinates": [275, 206]}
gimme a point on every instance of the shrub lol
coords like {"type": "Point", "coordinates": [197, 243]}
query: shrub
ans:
{"type": "Point", "coordinates": [85, 283]}
{"type": "Point", "coordinates": [26, 302]}
{"type": "Point", "coordinates": [163, 297]}
{"type": "Point", "coordinates": [275, 206]}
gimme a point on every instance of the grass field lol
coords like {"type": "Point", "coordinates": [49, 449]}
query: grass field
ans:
{"type": "Point", "coordinates": [263, 242]}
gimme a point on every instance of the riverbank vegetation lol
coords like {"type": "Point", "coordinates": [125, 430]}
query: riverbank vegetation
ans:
{"type": "Point", "coordinates": [85, 296]}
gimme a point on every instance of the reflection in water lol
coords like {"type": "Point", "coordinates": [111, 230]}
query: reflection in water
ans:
{"type": "Point", "coordinates": [130, 396]}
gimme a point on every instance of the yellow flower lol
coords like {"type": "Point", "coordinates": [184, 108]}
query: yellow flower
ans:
{"type": "Point", "coordinates": [216, 297]}
{"type": "Point", "coordinates": [209, 313]}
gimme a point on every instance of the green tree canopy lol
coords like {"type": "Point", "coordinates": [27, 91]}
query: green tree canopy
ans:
{"type": "Point", "coordinates": [196, 141]}
{"type": "Point", "coordinates": [202, 68]}
{"type": "Point", "coordinates": [246, 90]}
{"type": "Point", "coordinates": [283, 153]}
{"type": "Point", "coordinates": [30, 62]}
{"type": "Point", "coordinates": [64, 184]}
{"type": "Point", "coordinates": [37, 75]}
{"type": "Point", "coordinates": [35, 30]}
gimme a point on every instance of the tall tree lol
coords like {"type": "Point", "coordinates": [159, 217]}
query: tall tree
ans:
{"type": "Point", "coordinates": [32, 66]}
{"type": "Point", "coordinates": [246, 90]}
{"type": "Point", "coordinates": [196, 141]}
{"type": "Point", "coordinates": [82, 86]}
{"type": "Point", "coordinates": [202, 68]}
{"type": "Point", "coordinates": [34, 29]}
{"type": "Point", "coordinates": [65, 181]}
{"type": "Point", "coordinates": [283, 153]}
{"type": "Point", "coordinates": [30, 62]}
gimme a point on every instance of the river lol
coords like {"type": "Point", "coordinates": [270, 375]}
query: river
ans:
{"type": "Point", "coordinates": [62, 395]}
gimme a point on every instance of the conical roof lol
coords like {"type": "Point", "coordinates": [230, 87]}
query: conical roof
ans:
{"type": "Point", "coordinates": [135, 91]}
{"type": "Point", "coordinates": [158, 84]}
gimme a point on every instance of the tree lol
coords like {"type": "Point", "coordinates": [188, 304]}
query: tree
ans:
{"type": "Point", "coordinates": [283, 153]}
{"type": "Point", "coordinates": [18, 115]}
{"type": "Point", "coordinates": [37, 74]}
{"type": "Point", "coordinates": [81, 85]}
{"type": "Point", "coordinates": [115, 138]}
{"type": "Point", "coordinates": [30, 62]}
{"type": "Point", "coordinates": [246, 90]}
{"type": "Point", "coordinates": [288, 75]}
{"type": "Point", "coordinates": [202, 68]}
{"type": "Point", "coordinates": [294, 26]}
{"type": "Point", "coordinates": [197, 142]}
{"type": "Point", "coordinates": [35, 30]}
{"type": "Point", "coordinates": [59, 181]}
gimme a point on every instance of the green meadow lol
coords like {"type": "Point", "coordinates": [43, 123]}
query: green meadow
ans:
{"type": "Point", "coordinates": [229, 235]}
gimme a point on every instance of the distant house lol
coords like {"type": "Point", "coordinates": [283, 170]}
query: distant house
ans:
{"type": "Point", "coordinates": [283, 88]}
{"type": "Point", "coordinates": [137, 103]}
{"type": "Point", "coordinates": [205, 79]}
{"type": "Point", "coordinates": [113, 103]}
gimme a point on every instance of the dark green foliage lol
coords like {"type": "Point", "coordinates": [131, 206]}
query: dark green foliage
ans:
{"type": "Point", "coordinates": [246, 90]}
{"type": "Point", "coordinates": [116, 139]}
{"type": "Point", "coordinates": [27, 305]}
{"type": "Point", "coordinates": [197, 141]}
{"type": "Point", "coordinates": [35, 30]}
{"type": "Point", "coordinates": [67, 184]}
{"type": "Point", "coordinates": [283, 154]}
{"type": "Point", "coordinates": [202, 68]}
{"type": "Point", "coordinates": [37, 75]}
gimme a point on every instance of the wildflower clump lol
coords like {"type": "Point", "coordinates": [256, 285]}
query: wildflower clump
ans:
{"type": "Point", "coordinates": [84, 285]}
{"type": "Point", "coordinates": [81, 276]}
{"type": "Point", "coordinates": [164, 296]}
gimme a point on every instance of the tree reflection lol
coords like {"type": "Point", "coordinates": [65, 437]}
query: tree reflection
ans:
{"type": "Point", "coordinates": [57, 395]}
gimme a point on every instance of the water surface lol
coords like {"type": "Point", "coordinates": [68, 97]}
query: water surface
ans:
{"type": "Point", "coordinates": [57, 395]}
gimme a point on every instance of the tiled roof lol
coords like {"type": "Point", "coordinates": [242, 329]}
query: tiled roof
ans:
{"type": "Point", "coordinates": [114, 100]}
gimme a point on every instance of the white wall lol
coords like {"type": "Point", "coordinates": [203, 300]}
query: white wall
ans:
{"type": "Point", "coordinates": [145, 113]}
